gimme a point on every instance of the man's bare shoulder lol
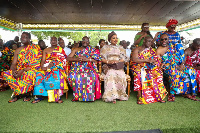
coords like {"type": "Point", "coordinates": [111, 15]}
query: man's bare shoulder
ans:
{"type": "Point", "coordinates": [187, 49]}
{"type": "Point", "coordinates": [47, 49]}
{"type": "Point", "coordinates": [77, 49]}
{"type": "Point", "coordinates": [19, 49]}
{"type": "Point", "coordinates": [161, 48]}
{"type": "Point", "coordinates": [136, 49]}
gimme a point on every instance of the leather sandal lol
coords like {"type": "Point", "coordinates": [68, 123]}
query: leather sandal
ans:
{"type": "Point", "coordinates": [73, 100]}
{"type": "Point", "coordinates": [1, 90]}
{"type": "Point", "coordinates": [37, 100]}
{"type": "Point", "coordinates": [139, 101]}
{"type": "Point", "coordinates": [171, 98]}
{"type": "Point", "coordinates": [114, 101]}
{"type": "Point", "coordinates": [59, 101]}
{"type": "Point", "coordinates": [26, 99]}
{"type": "Point", "coordinates": [162, 101]}
{"type": "Point", "coordinates": [194, 98]}
{"type": "Point", "coordinates": [13, 100]}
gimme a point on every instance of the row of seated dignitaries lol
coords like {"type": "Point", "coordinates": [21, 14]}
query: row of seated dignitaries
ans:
{"type": "Point", "coordinates": [44, 72]}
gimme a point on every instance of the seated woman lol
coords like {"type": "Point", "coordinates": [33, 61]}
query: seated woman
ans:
{"type": "Point", "coordinates": [83, 77]}
{"type": "Point", "coordinates": [53, 79]}
{"type": "Point", "coordinates": [114, 57]}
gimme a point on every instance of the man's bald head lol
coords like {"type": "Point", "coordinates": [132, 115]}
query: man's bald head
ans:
{"type": "Point", "coordinates": [196, 43]}
{"type": "Point", "coordinates": [147, 41]}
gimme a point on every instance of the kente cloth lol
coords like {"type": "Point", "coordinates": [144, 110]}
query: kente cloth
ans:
{"type": "Point", "coordinates": [52, 82]}
{"type": "Point", "coordinates": [194, 61]}
{"type": "Point", "coordinates": [148, 78]}
{"type": "Point", "coordinates": [39, 88]}
{"type": "Point", "coordinates": [114, 80]}
{"type": "Point", "coordinates": [181, 82]}
{"type": "Point", "coordinates": [6, 59]}
{"type": "Point", "coordinates": [84, 76]}
{"type": "Point", "coordinates": [30, 56]}
{"type": "Point", "coordinates": [173, 38]}
{"type": "Point", "coordinates": [141, 41]}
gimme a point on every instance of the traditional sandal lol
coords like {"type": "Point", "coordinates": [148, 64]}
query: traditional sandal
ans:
{"type": "Point", "coordinates": [194, 98]}
{"type": "Point", "coordinates": [26, 99]}
{"type": "Point", "coordinates": [1, 90]}
{"type": "Point", "coordinates": [114, 101]}
{"type": "Point", "coordinates": [139, 101]}
{"type": "Point", "coordinates": [37, 100]}
{"type": "Point", "coordinates": [171, 98]}
{"type": "Point", "coordinates": [73, 100]}
{"type": "Point", "coordinates": [13, 100]}
{"type": "Point", "coordinates": [162, 101]}
{"type": "Point", "coordinates": [59, 101]}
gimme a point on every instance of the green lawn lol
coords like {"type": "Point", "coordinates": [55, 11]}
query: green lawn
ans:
{"type": "Point", "coordinates": [183, 115]}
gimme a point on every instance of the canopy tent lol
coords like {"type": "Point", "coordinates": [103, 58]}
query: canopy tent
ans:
{"type": "Point", "coordinates": [97, 14]}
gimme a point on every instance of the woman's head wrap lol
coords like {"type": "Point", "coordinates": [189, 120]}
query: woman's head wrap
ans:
{"type": "Point", "coordinates": [110, 35]}
{"type": "Point", "coordinates": [171, 22]}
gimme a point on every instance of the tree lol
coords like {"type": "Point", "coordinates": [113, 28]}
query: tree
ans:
{"type": "Point", "coordinates": [94, 36]}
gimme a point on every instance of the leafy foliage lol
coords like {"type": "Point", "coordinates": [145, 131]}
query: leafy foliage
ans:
{"type": "Point", "coordinates": [73, 36]}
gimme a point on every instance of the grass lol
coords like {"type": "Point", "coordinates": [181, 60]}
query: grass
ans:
{"type": "Point", "coordinates": [182, 116]}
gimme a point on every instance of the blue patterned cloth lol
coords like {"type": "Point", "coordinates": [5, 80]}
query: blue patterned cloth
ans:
{"type": "Point", "coordinates": [173, 38]}
{"type": "Point", "coordinates": [181, 82]}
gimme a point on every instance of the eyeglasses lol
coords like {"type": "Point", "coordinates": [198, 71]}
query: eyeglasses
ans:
{"type": "Point", "coordinates": [163, 39]}
{"type": "Point", "coordinates": [173, 26]}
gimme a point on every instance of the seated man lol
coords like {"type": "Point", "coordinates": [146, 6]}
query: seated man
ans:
{"type": "Point", "coordinates": [148, 77]}
{"type": "Point", "coordinates": [84, 77]}
{"type": "Point", "coordinates": [26, 62]}
{"type": "Point", "coordinates": [182, 78]}
{"type": "Point", "coordinates": [52, 82]}
{"type": "Point", "coordinates": [192, 57]}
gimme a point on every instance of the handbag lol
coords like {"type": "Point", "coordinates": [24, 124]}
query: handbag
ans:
{"type": "Point", "coordinates": [116, 66]}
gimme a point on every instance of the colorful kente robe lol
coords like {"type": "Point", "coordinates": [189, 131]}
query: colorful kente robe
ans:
{"type": "Point", "coordinates": [114, 80]}
{"type": "Point", "coordinates": [5, 63]}
{"type": "Point", "coordinates": [7, 57]}
{"type": "Point", "coordinates": [173, 38]}
{"type": "Point", "coordinates": [52, 82]}
{"type": "Point", "coordinates": [194, 61]}
{"type": "Point", "coordinates": [148, 78]}
{"type": "Point", "coordinates": [84, 76]}
{"type": "Point", "coordinates": [181, 82]}
{"type": "Point", "coordinates": [29, 56]}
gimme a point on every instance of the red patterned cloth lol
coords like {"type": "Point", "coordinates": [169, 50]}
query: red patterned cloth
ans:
{"type": "Point", "coordinates": [149, 78]}
{"type": "Point", "coordinates": [194, 61]}
{"type": "Point", "coordinates": [29, 56]}
{"type": "Point", "coordinates": [171, 22]}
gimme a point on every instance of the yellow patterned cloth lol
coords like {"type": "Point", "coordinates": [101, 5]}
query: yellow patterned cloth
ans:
{"type": "Point", "coordinates": [148, 78]}
{"type": "Point", "coordinates": [29, 56]}
{"type": "Point", "coordinates": [52, 82]}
